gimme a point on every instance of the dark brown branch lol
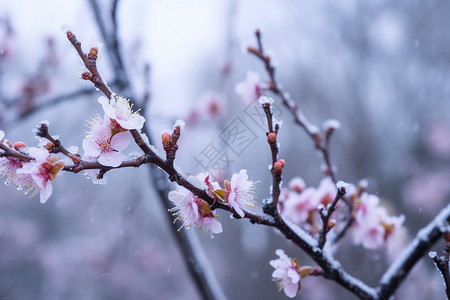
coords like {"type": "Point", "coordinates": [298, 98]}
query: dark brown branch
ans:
{"type": "Point", "coordinates": [55, 145]}
{"type": "Point", "coordinates": [442, 263]}
{"type": "Point", "coordinates": [277, 166]}
{"type": "Point", "coordinates": [325, 215]}
{"type": "Point", "coordinates": [89, 61]}
{"type": "Point", "coordinates": [424, 239]}
{"type": "Point", "coordinates": [9, 152]}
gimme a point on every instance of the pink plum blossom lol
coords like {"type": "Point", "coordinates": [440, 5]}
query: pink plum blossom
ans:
{"type": "Point", "coordinates": [212, 105]}
{"type": "Point", "coordinates": [250, 89]}
{"type": "Point", "coordinates": [121, 113]}
{"type": "Point", "coordinates": [105, 143]}
{"type": "Point", "coordinates": [42, 170]}
{"type": "Point", "coordinates": [326, 192]}
{"type": "Point", "coordinates": [299, 207]}
{"type": "Point", "coordinates": [374, 227]}
{"type": "Point", "coordinates": [9, 167]}
{"type": "Point", "coordinates": [288, 273]}
{"type": "Point", "coordinates": [297, 184]}
{"type": "Point", "coordinates": [192, 210]}
{"type": "Point", "coordinates": [240, 192]}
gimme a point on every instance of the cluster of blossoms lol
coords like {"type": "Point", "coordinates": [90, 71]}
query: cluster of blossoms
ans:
{"type": "Point", "coordinates": [300, 204]}
{"type": "Point", "coordinates": [196, 212]}
{"type": "Point", "coordinates": [33, 168]}
{"type": "Point", "coordinates": [288, 273]}
{"type": "Point", "coordinates": [109, 135]}
{"type": "Point", "coordinates": [33, 175]}
{"type": "Point", "coordinates": [372, 227]}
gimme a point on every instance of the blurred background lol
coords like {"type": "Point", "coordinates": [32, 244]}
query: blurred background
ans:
{"type": "Point", "coordinates": [380, 68]}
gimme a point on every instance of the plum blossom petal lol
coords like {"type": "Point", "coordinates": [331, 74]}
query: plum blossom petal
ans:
{"type": "Point", "coordinates": [250, 89]}
{"type": "Point", "coordinates": [121, 140]}
{"type": "Point", "coordinates": [105, 143]}
{"type": "Point", "coordinates": [288, 273]}
{"type": "Point", "coordinates": [110, 158]}
{"type": "Point", "coordinates": [374, 227]}
{"type": "Point", "coordinates": [42, 170]}
{"type": "Point", "coordinates": [90, 147]}
{"type": "Point", "coordinates": [119, 109]}
{"type": "Point", "coordinates": [240, 192]}
{"type": "Point", "coordinates": [193, 211]}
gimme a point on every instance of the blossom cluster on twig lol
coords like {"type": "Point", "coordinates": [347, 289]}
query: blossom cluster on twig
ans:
{"type": "Point", "coordinates": [313, 218]}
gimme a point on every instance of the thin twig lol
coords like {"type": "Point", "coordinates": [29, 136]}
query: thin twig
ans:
{"type": "Point", "coordinates": [424, 239]}
{"type": "Point", "coordinates": [325, 215]}
{"type": "Point", "coordinates": [297, 114]}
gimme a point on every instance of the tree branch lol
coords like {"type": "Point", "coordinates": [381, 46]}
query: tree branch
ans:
{"type": "Point", "coordinates": [424, 239]}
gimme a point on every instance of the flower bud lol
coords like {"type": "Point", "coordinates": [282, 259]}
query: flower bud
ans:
{"type": "Point", "coordinates": [49, 146]}
{"type": "Point", "coordinates": [18, 145]}
{"type": "Point", "coordinates": [331, 223]}
{"type": "Point", "coordinates": [87, 76]}
{"type": "Point", "coordinates": [279, 165]}
{"type": "Point", "coordinates": [93, 51]}
{"type": "Point", "coordinates": [272, 137]}
{"type": "Point", "coordinates": [165, 139]}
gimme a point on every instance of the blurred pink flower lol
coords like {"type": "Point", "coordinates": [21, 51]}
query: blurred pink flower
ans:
{"type": "Point", "coordinates": [212, 105]}
{"type": "Point", "coordinates": [250, 89]}
{"type": "Point", "coordinates": [374, 227]}
{"type": "Point", "coordinates": [104, 143]}
{"type": "Point", "coordinates": [298, 207]}
{"type": "Point", "coordinates": [297, 184]}
{"type": "Point", "coordinates": [8, 169]}
{"type": "Point", "coordinates": [42, 171]}
{"type": "Point", "coordinates": [427, 191]}
{"type": "Point", "coordinates": [121, 112]}
{"type": "Point", "coordinates": [326, 192]}
{"type": "Point", "coordinates": [288, 273]}
{"type": "Point", "coordinates": [240, 192]}
{"type": "Point", "coordinates": [437, 138]}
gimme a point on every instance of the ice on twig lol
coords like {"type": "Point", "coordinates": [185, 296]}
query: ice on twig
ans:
{"type": "Point", "coordinates": [265, 100]}
{"type": "Point", "coordinates": [343, 185]}
{"type": "Point", "coordinates": [179, 123]}
{"type": "Point", "coordinates": [331, 124]}
{"type": "Point", "coordinates": [432, 254]}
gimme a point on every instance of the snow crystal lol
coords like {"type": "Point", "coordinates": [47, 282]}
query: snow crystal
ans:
{"type": "Point", "coordinates": [344, 185]}
{"type": "Point", "coordinates": [331, 124]}
{"type": "Point", "coordinates": [422, 235]}
{"type": "Point", "coordinates": [145, 138]}
{"type": "Point", "coordinates": [73, 149]}
{"type": "Point", "coordinates": [44, 122]}
{"type": "Point", "coordinates": [65, 28]}
{"type": "Point", "coordinates": [363, 183]}
{"type": "Point", "coordinates": [180, 123]}
{"type": "Point", "coordinates": [265, 100]}
{"type": "Point", "coordinates": [305, 236]}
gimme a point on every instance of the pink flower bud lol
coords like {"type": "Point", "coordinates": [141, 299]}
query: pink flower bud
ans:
{"type": "Point", "coordinates": [331, 223]}
{"type": "Point", "coordinates": [279, 165]}
{"type": "Point", "coordinates": [18, 145]}
{"type": "Point", "coordinates": [93, 51]}
{"type": "Point", "coordinates": [87, 76]}
{"type": "Point", "coordinates": [165, 139]}
{"type": "Point", "coordinates": [272, 137]}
